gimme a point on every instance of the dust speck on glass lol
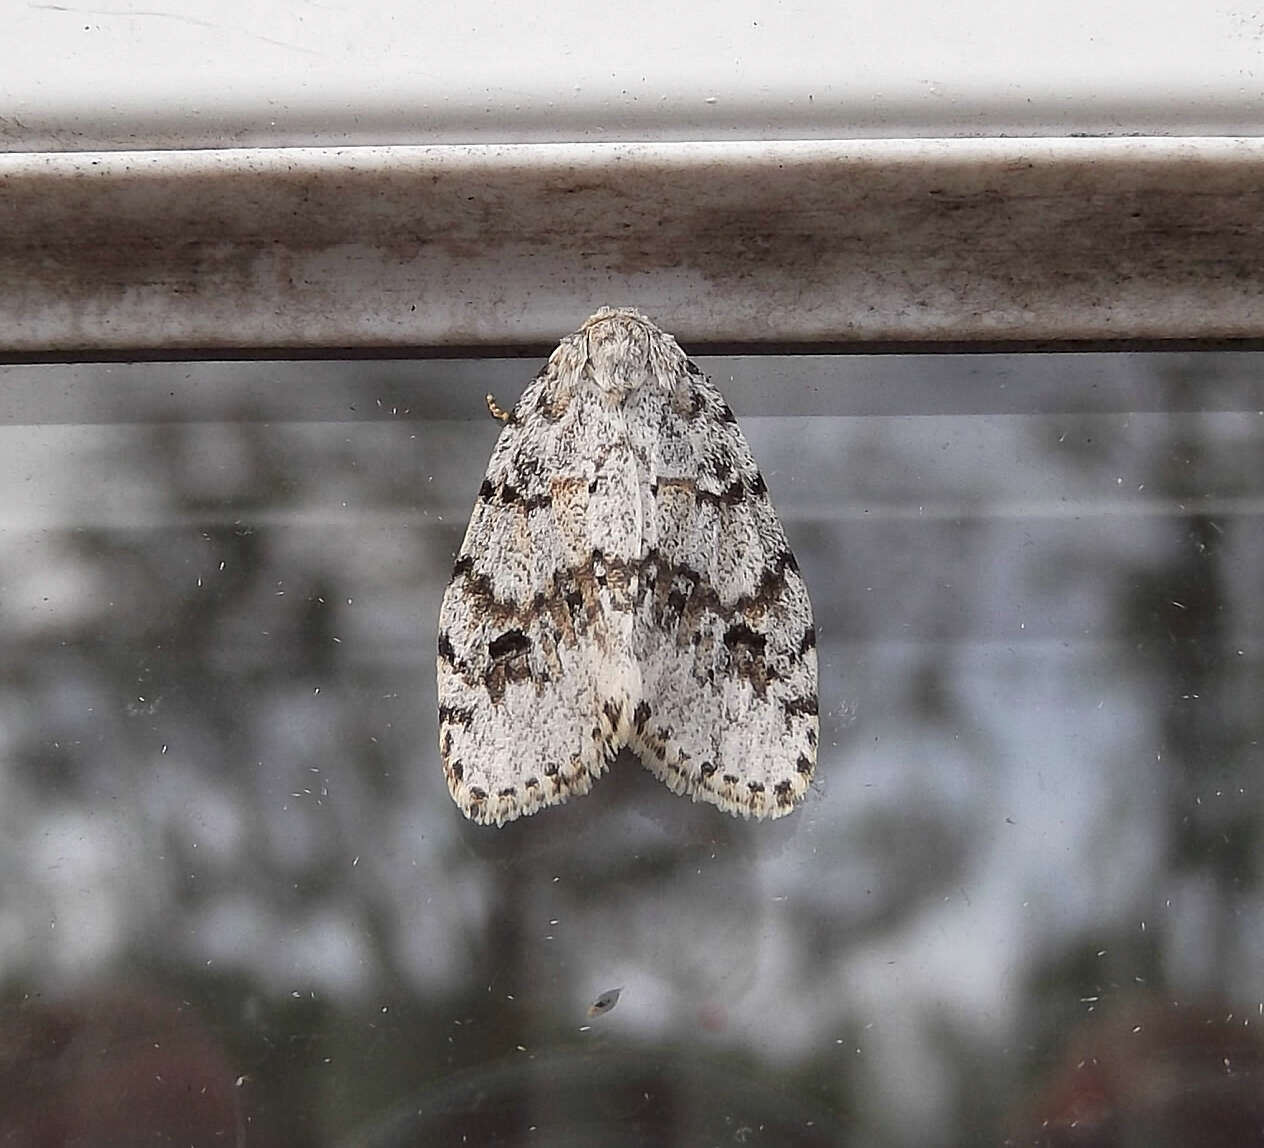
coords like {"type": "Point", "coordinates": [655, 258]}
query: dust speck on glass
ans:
{"type": "Point", "coordinates": [1020, 903]}
{"type": "Point", "coordinates": [625, 581]}
{"type": "Point", "coordinates": [605, 1002]}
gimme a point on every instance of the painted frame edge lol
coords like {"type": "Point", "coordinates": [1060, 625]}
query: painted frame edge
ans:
{"type": "Point", "coordinates": [843, 244]}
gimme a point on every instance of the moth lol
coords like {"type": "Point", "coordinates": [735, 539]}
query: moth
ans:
{"type": "Point", "coordinates": [625, 581]}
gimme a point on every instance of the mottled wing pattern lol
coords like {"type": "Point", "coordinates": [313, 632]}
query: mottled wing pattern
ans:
{"type": "Point", "coordinates": [532, 689]}
{"type": "Point", "coordinates": [724, 634]}
{"type": "Point", "coordinates": [625, 580]}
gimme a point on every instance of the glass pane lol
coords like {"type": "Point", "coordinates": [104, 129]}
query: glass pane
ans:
{"type": "Point", "coordinates": [1021, 904]}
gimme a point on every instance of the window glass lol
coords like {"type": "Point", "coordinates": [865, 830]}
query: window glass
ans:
{"type": "Point", "coordinates": [1020, 905]}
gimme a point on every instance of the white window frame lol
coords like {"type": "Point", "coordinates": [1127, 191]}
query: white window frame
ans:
{"type": "Point", "coordinates": [860, 244]}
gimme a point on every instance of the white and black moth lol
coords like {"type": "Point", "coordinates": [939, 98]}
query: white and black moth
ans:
{"type": "Point", "coordinates": [625, 581]}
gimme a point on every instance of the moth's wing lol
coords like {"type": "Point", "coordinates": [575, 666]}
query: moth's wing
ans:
{"type": "Point", "coordinates": [522, 677]}
{"type": "Point", "coordinates": [724, 635]}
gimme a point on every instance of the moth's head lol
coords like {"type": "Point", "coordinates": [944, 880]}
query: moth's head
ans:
{"type": "Point", "coordinates": [624, 350]}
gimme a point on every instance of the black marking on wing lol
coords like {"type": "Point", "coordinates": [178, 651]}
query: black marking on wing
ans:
{"type": "Point", "coordinates": [509, 656]}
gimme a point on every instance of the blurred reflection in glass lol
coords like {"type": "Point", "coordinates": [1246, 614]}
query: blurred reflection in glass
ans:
{"type": "Point", "coordinates": [232, 871]}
